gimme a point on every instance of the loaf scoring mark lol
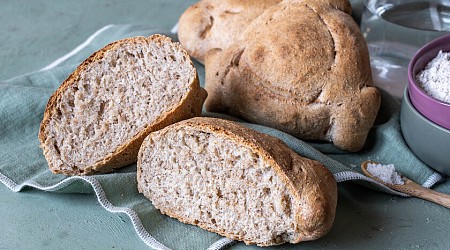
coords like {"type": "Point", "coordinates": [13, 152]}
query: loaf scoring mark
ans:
{"type": "Point", "coordinates": [232, 12]}
{"type": "Point", "coordinates": [280, 91]}
{"type": "Point", "coordinates": [275, 92]}
{"type": "Point", "coordinates": [234, 62]}
{"type": "Point", "coordinates": [315, 98]}
{"type": "Point", "coordinates": [237, 57]}
{"type": "Point", "coordinates": [207, 28]}
{"type": "Point", "coordinates": [329, 32]}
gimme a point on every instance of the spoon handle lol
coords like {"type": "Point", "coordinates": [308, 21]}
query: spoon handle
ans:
{"type": "Point", "coordinates": [418, 191]}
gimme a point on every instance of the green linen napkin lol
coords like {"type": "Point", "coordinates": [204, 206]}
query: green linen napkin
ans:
{"type": "Point", "coordinates": [22, 103]}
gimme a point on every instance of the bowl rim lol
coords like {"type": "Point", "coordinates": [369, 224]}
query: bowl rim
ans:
{"type": "Point", "coordinates": [407, 99]}
{"type": "Point", "coordinates": [411, 77]}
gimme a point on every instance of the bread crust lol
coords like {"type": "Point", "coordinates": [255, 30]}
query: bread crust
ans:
{"type": "Point", "coordinates": [301, 67]}
{"type": "Point", "coordinates": [313, 186]}
{"type": "Point", "coordinates": [210, 24]}
{"type": "Point", "coordinates": [126, 154]}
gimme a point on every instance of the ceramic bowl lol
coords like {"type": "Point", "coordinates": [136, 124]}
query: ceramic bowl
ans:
{"type": "Point", "coordinates": [433, 109]}
{"type": "Point", "coordinates": [427, 140]}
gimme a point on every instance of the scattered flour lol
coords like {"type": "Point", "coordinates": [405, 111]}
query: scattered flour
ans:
{"type": "Point", "coordinates": [386, 173]}
{"type": "Point", "coordinates": [435, 78]}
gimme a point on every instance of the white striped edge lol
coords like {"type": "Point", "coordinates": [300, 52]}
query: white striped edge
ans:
{"type": "Point", "coordinates": [102, 199]}
{"type": "Point", "coordinates": [77, 49]}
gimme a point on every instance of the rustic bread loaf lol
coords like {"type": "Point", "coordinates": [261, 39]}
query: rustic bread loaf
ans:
{"type": "Point", "coordinates": [98, 118]}
{"type": "Point", "coordinates": [237, 182]}
{"type": "Point", "coordinates": [301, 67]}
{"type": "Point", "coordinates": [212, 24]}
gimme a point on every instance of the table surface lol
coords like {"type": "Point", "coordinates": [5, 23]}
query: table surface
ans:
{"type": "Point", "coordinates": [31, 38]}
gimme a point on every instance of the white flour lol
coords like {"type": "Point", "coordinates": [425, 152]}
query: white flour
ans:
{"type": "Point", "coordinates": [386, 173]}
{"type": "Point", "coordinates": [435, 78]}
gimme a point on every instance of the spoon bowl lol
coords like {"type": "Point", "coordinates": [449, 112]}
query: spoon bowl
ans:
{"type": "Point", "coordinates": [411, 188]}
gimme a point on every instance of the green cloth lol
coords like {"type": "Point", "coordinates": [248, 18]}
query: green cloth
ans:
{"type": "Point", "coordinates": [22, 104]}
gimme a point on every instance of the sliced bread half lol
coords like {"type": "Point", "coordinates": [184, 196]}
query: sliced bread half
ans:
{"type": "Point", "coordinates": [237, 182]}
{"type": "Point", "coordinates": [98, 118]}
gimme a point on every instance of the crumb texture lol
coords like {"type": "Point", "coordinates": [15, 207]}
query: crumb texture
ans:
{"type": "Point", "coordinates": [121, 91]}
{"type": "Point", "coordinates": [210, 180]}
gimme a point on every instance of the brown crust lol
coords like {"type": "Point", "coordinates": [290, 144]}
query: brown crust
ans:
{"type": "Point", "coordinates": [210, 24]}
{"type": "Point", "coordinates": [316, 88]}
{"type": "Point", "coordinates": [312, 185]}
{"type": "Point", "coordinates": [126, 154]}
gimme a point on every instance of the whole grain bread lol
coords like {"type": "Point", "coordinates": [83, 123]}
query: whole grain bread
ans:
{"type": "Point", "coordinates": [301, 67]}
{"type": "Point", "coordinates": [99, 116]}
{"type": "Point", "coordinates": [237, 182]}
{"type": "Point", "coordinates": [212, 24]}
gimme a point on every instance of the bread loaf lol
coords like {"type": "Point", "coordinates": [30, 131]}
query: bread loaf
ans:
{"type": "Point", "coordinates": [98, 118]}
{"type": "Point", "coordinates": [237, 182]}
{"type": "Point", "coordinates": [301, 67]}
{"type": "Point", "coordinates": [212, 24]}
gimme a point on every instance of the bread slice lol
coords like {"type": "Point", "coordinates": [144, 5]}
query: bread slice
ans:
{"type": "Point", "coordinates": [98, 118]}
{"type": "Point", "coordinates": [237, 182]}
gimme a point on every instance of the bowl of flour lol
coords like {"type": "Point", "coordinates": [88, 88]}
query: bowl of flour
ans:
{"type": "Point", "coordinates": [429, 81]}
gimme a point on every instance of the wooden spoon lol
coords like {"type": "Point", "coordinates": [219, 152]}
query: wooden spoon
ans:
{"type": "Point", "coordinates": [411, 188]}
